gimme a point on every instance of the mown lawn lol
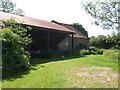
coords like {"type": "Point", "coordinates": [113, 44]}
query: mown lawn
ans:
{"type": "Point", "coordinates": [93, 71]}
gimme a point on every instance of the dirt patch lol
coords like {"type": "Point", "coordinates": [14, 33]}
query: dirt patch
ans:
{"type": "Point", "coordinates": [94, 76]}
{"type": "Point", "coordinates": [97, 72]}
{"type": "Point", "coordinates": [98, 68]}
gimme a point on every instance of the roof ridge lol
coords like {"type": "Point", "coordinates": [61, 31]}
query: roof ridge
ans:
{"type": "Point", "coordinates": [70, 26]}
{"type": "Point", "coordinates": [34, 22]}
{"type": "Point", "coordinates": [60, 22]}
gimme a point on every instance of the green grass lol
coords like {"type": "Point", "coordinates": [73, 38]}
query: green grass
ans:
{"type": "Point", "coordinates": [68, 73]}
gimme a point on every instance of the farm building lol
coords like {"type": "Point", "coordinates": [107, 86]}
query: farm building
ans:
{"type": "Point", "coordinates": [50, 35]}
{"type": "Point", "coordinates": [80, 40]}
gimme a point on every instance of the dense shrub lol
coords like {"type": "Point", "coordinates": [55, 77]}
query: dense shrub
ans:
{"type": "Point", "coordinates": [58, 53]}
{"type": "Point", "coordinates": [111, 54]}
{"type": "Point", "coordinates": [49, 54]}
{"type": "Point", "coordinates": [14, 39]}
{"type": "Point", "coordinates": [92, 50]}
{"type": "Point", "coordinates": [101, 51]}
{"type": "Point", "coordinates": [84, 52]}
{"type": "Point", "coordinates": [106, 42]}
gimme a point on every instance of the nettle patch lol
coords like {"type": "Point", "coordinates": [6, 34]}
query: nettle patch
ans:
{"type": "Point", "coordinates": [91, 77]}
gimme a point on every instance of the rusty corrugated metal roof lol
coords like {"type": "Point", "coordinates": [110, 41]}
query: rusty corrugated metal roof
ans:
{"type": "Point", "coordinates": [78, 34]}
{"type": "Point", "coordinates": [35, 22]}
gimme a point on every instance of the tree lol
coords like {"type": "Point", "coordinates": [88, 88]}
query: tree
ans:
{"type": "Point", "coordinates": [81, 29]}
{"type": "Point", "coordinates": [105, 13]}
{"type": "Point", "coordinates": [106, 42]}
{"type": "Point", "coordinates": [9, 7]}
{"type": "Point", "coordinates": [92, 41]}
{"type": "Point", "coordinates": [14, 40]}
{"type": "Point", "coordinates": [19, 12]}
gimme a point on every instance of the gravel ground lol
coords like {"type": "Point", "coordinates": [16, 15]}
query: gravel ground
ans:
{"type": "Point", "coordinates": [94, 77]}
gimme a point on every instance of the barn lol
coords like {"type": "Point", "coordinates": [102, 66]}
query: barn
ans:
{"type": "Point", "coordinates": [80, 41]}
{"type": "Point", "coordinates": [48, 35]}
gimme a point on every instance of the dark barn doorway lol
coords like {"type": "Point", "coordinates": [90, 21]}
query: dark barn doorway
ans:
{"type": "Point", "coordinates": [45, 39]}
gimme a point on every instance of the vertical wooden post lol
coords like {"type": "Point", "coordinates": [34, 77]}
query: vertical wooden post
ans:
{"type": "Point", "coordinates": [72, 42]}
{"type": "Point", "coordinates": [48, 40]}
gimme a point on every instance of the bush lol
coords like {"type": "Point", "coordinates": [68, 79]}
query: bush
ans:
{"type": "Point", "coordinates": [111, 54]}
{"type": "Point", "coordinates": [49, 54]}
{"type": "Point", "coordinates": [101, 51]}
{"type": "Point", "coordinates": [84, 52]}
{"type": "Point", "coordinates": [58, 53]}
{"type": "Point", "coordinates": [66, 52]}
{"type": "Point", "coordinates": [106, 42]}
{"type": "Point", "coordinates": [92, 50]}
{"type": "Point", "coordinates": [14, 39]}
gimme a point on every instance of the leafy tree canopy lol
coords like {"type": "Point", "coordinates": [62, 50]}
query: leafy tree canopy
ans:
{"type": "Point", "coordinates": [81, 29]}
{"type": "Point", "coordinates": [106, 42]}
{"type": "Point", "coordinates": [105, 13]}
{"type": "Point", "coordinates": [9, 7]}
{"type": "Point", "coordinates": [14, 39]}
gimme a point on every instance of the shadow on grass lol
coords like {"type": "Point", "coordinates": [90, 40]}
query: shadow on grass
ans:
{"type": "Point", "coordinates": [19, 75]}
{"type": "Point", "coordinates": [35, 61]}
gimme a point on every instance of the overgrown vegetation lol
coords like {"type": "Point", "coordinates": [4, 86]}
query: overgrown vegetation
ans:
{"type": "Point", "coordinates": [106, 42]}
{"type": "Point", "coordinates": [112, 54]}
{"type": "Point", "coordinates": [14, 40]}
{"type": "Point", "coordinates": [106, 45]}
{"type": "Point", "coordinates": [68, 53]}
{"type": "Point", "coordinates": [81, 29]}
{"type": "Point", "coordinates": [110, 42]}
{"type": "Point", "coordinates": [55, 53]}
{"type": "Point", "coordinates": [93, 50]}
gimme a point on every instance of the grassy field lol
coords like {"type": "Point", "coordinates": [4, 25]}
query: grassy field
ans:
{"type": "Point", "coordinates": [93, 71]}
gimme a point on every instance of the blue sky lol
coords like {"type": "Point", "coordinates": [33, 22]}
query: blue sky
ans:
{"type": "Point", "coordinates": [65, 11]}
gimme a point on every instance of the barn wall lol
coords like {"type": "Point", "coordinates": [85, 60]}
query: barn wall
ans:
{"type": "Point", "coordinates": [44, 39]}
{"type": "Point", "coordinates": [81, 43]}
{"type": "Point", "coordinates": [66, 44]}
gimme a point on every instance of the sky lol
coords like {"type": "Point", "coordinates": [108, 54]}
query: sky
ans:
{"type": "Point", "coordinates": [64, 11]}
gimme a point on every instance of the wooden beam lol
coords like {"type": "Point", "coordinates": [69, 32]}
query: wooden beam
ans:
{"type": "Point", "coordinates": [72, 41]}
{"type": "Point", "coordinates": [48, 40]}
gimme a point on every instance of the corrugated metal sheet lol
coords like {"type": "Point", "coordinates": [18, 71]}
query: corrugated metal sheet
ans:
{"type": "Point", "coordinates": [35, 22]}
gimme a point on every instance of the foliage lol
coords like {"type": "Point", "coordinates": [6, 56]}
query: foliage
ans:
{"type": "Point", "coordinates": [101, 51]}
{"type": "Point", "coordinates": [48, 54]}
{"type": "Point", "coordinates": [106, 42]}
{"type": "Point", "coordinates": [9, 7]}
{"type": "Point", "coordinates": [98, 41]}
{"type": "Point", "coordinates": [92, 50]}
{"type": "Point", "coordinates": [111, 54]}
{"type": "Point", "coordinates": [14, 39]}
{"type": "Point", "coordinates": [105, 13]}
{"type": "Point", "coordinates": [58, 53]}
{"type": "Point", "coordinates": [84, 52]}
{"type": "Point", "coordinates": [81, 29]}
